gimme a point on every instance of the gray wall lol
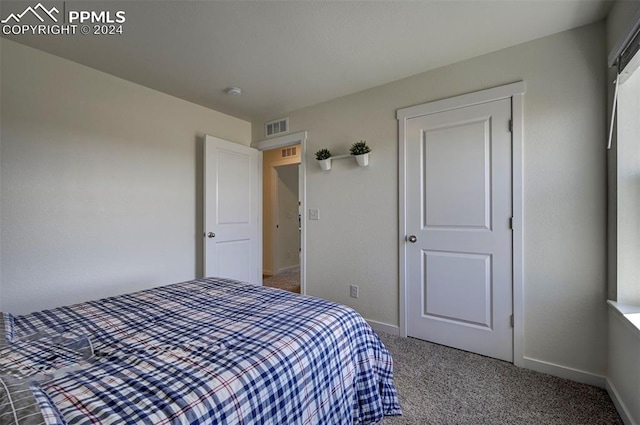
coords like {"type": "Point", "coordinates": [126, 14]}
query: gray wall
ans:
{"type": "Point", "coordinates": [99, 182]}
{"type": "Point", "coordinates": [355, 241]}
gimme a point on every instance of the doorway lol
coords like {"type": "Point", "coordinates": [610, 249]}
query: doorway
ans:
{"type": "Point", "coordinates": [286, 253]}
{"type": "Point", "coordinates": [282, 218]}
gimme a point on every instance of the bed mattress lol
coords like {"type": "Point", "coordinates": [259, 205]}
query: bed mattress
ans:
{"type": "Point", "coordinates": [207, 351]}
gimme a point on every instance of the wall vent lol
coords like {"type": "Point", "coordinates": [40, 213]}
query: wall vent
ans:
{"type": "Point", "coordinates": [287, 152]}
{"type": "Point", "coordinates": [277, 127]}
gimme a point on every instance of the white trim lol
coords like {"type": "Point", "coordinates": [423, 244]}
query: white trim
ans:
{"type": "Point", "coordinates": [280, 141]}
{"type": "Point", "coordinates": [565, 372]}
{"type": "Point", "coordinates": [289, 140]}
{"type": "Point", "coordinates": [402, 199]}
{"type": "Point", "coordinates": [383, 327]}
{"type": "Point", "coordinates": [273, 179]}
{"type": "Point", "coordinates": [622, 409]}
{"type": "Point", "coordinates": [624, 312]}
{"type": "Point", "coordinates": [260, 223]}
{"type": "Point", "coordinates": [517, 199]}
{"type": "Point", "coordinates": [514, 91]}
{"type": "Point", "coordinates": [462, 101]}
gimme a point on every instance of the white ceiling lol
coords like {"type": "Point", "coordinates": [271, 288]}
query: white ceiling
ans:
{"type": "Point", "coordinates": [288, 55]}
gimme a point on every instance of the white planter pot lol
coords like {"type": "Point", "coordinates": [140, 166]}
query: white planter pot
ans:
{"type": "Point", "coordinates": [325, 164]}
{"type": "Point", "coordinates": [362, 160]}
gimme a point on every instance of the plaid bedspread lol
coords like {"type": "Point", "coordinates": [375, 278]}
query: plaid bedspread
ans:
{"type": "Point", "coordinates": [208, 351]}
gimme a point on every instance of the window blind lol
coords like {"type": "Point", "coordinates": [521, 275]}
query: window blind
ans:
{"type": "Point", "coordinates": [626, 58]}
{"type": "Point", "coordinates": [627, 55]}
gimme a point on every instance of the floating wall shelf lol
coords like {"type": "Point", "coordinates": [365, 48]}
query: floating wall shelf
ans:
{"type": "Point", "coordinates": [362, 160]}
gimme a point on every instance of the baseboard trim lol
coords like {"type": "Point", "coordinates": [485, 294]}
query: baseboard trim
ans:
{"type": "Point", "coordinates": [267, 272]}
{"type": "Point", "coordinates": [384, 327]}
{"type": "Point", "coordinates": [286, 269]}
{"type": "Point", "coordinates": [563, 372]}
{"type": "Point", "coordinates": [620, 406]}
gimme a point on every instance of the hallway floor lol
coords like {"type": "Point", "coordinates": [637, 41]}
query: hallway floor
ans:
{"type": "Point", "coordinates": [288, 280]}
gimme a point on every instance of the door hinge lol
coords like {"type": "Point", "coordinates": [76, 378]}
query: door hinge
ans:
{"type": "Point", "coordinates": [511, 126]}
{"type": "Point", "coordinates": [511, 223]}
{"type": "Point", "coordinates": [511, 320]}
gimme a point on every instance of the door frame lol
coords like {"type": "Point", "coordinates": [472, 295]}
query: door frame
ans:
{"type": "Point", "coordinates": [515, 92]}
{"type": "Point", "coordinates": [290, 140]}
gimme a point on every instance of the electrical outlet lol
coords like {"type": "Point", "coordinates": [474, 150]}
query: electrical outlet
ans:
{"type": "Point", "coordinates": [355, 291]}
{"type": "Point", "coordinates": [314, 214]}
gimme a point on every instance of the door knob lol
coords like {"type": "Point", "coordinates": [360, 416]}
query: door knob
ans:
{"type": "Point", "coordinates": [412, 239]}
{"type": "Point", "coordinates": [211, 235]}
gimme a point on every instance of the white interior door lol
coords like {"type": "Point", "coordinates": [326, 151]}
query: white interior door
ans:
{"type": "Point", "coordinates": [459, 238]}
{"type": "Point", "coordinates": [232, 205]}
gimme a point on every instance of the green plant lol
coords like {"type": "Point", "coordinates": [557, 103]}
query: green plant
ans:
{"type": "Point", "coordinates": [359, 148]}
{"type": "Point", "coordinates": [323, 153]}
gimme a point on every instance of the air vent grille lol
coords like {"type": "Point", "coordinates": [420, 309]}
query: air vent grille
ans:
{"type": "Point", "coordinates": [277, 127]}
{"type": "Point", "coordinates": [287, 152]}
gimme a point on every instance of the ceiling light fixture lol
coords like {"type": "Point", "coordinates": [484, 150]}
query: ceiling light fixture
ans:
{"type": "Point", "coordinates": [233, 91]}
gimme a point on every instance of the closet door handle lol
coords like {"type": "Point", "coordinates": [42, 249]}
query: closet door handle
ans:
{"type": "Point", "coordinates": [211, 235]}
{"type": "Point", "coordinates": [412, 239]}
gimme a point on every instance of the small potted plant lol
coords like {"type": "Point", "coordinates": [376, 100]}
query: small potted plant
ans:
{"type": "Point", "coordinates": [361, 151]}
{"type": "Point", "coordinates": [324, 159]}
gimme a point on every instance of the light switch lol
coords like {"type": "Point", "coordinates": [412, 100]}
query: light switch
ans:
{"type": "Point", "coordinates": [314, 214]}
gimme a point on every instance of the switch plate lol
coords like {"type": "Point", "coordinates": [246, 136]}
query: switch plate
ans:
{"type": "Point", "coordinates": [354, 291]}
{"type": "Point", "coordinates": [314, 214]}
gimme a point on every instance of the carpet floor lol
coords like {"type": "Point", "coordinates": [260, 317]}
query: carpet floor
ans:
{"type": "Point", "coordinates": [440, 385]}
{"type": "Point", "coordinates": [288, 280]}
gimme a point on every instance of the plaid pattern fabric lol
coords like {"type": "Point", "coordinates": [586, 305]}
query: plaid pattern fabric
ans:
{"type": "Point", "coordinates": [214, 351]}
{"type": "Point", "coordinates": [6, 324]}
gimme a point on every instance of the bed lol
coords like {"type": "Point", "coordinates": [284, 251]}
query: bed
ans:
{"type": "Point", "coordinates": [207, 351]}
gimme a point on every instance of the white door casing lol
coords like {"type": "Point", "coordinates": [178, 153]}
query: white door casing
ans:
{"type": "Point", "coordinates": [290, 140]}
{"type": "Point", "coordinates": [232, 211]}
{"type": "Point", "coordinates": [457, 199]}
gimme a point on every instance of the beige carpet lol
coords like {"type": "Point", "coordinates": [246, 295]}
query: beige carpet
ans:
{"type": "Point", "coordinates": [288, 280]}
{"type": "Point", "coordinates": [444, 386]}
